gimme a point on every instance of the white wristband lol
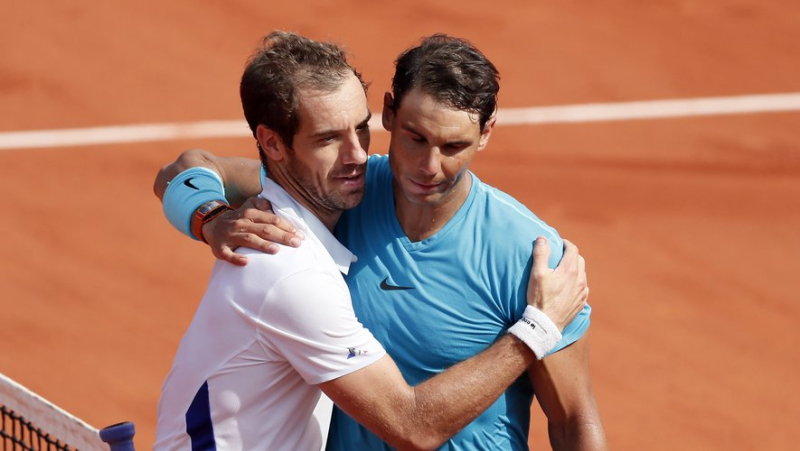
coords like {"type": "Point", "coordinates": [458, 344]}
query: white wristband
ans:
{"type": "Point", "coordinates": [536, 330]}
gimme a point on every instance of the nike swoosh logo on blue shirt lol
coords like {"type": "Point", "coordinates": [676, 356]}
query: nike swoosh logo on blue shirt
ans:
{"type": "Point", "coordinates": [385, 286]}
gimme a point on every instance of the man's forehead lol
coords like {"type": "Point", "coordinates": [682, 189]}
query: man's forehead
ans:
{"type": "Point", "coordinates": [419, 97]}
{"type": "Point", "coordinates": [340, 108]}
{"type": "Point", "coordinates": [422, 108]}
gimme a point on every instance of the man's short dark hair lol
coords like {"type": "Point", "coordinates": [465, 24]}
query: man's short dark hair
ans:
{"type": "Point", "coordinates": [284, 63]}
{"type": "Point", "coordinates": [452, 71]}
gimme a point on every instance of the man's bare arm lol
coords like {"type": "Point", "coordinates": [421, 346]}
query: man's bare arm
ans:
{"type": "Point", "coordinates": [563, 389]}
{"type": "Point", "coordinates": [241, 176]}
{"type": "Point", "coordinates": [561, 380]}
{"type": "Point", "coordinates": [423, 417]}
{"type": "Point", "coordinates": [249, 225]}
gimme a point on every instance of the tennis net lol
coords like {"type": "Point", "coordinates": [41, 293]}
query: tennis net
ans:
{"type": "Point", "coordinates": [30, 422]}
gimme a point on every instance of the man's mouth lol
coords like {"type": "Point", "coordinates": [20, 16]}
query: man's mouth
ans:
{"type": "Point", "coordinates": [354, 178]}
{"type": "Point", "coordinates": [425, 186]}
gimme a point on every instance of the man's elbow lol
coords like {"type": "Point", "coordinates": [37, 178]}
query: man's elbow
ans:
{"type": "Point", "coordinates": [417, 437]}
{"type": "Point", "coordinates": [162, 180]}
{"type": "Point", "coordinates": [580, 432]}
{"type": "Point", "coordinates": [187, 159]}
{"type": "Point", "coordinates": [415, 442]}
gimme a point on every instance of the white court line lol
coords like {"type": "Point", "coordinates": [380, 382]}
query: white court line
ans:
{"type": "Point", "coordinates": [651, 109]}
{"type": "Point", "coordinates": [506, 116]}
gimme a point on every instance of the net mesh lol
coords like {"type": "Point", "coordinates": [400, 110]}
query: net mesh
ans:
{"type": "Point", "coordinates": [30, 422]}
{"type": "Point", "coordinates": [18, 433]}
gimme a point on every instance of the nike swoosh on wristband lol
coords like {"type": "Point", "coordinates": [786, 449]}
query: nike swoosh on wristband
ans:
{"type": "Point", "coordinates": [385, 286]}
{"type": "Point", "coordinates": [188, 182]}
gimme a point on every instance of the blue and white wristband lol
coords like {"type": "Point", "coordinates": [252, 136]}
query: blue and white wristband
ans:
{"type": "Point", "coordinates": [536, 330]}
{"type": "Point", "coordinates": [186, 192]}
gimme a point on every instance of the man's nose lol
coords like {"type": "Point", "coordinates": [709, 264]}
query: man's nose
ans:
{"type": "Point", "coordinates": [354, 151]}
{"type": "Point", "coordinates": [431, 162]}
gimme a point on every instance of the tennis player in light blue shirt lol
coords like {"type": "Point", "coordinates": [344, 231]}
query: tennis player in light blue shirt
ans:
{"type": "Point", "coordinates": [436, 302]}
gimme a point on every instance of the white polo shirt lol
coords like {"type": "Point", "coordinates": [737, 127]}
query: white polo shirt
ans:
{"type": "Point", "coordinates": [264, 336]}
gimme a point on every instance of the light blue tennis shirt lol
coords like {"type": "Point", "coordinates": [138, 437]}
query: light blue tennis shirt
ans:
{"type": "Point", "coordinates": [439, 301]}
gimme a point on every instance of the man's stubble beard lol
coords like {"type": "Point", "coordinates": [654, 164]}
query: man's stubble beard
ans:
{"type": "Point", "coordinates": [321, 192]}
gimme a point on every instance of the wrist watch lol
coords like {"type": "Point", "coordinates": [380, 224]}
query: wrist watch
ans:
{"type": "Point", "coordinates": [206, 213]}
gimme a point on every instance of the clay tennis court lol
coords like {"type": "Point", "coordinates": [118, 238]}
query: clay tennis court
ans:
{"type": "Point", "coordinates": [690, 224]}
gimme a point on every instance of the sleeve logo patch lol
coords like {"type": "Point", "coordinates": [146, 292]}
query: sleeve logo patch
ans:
{"type": "Point", "coordinates": [355, 352]}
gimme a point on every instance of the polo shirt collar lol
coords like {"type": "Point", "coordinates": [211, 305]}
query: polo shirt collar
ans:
{"type": "Point", "coordinates": [308, 222]}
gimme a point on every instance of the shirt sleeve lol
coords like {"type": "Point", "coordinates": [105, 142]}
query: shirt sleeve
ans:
{"type": "Point", "coordinates": [578, 326]}
{"type": "Point", "coordinates": [309, 319]}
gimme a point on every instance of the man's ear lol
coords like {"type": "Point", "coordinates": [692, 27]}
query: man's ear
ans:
{"type": "Point", "coordinates": [487, 131]}
{"type": "Point", "coordinates": [388, 111]}
{"type": "Point", "coordinates": [270, 143]}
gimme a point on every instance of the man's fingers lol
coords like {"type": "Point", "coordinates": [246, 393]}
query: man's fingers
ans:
{"type": "Point", "coordinates": [257, 216]}
{"type": "Point", "coordinates": [267, 232]}
{"type": "Point", "coordinates": [583, 297]}
{"type": "Point", "coordinates": [260, 203]}
{"type": "Point", "coordinates": [285, 233]}
{"type": "Point", "coordinates": [541, 255]}
{"type": "Point", "coordinates": [254, 241]}
{"type": "Point", "coordinates": [253, 226]}
{"type": "Point", "coordinates": [268, 226]}
{"type": "Point", "coordinates": [582, 269]}
{"type": "Point", "coordinates": [264, 226]}
{"type": "Point", "coordinates": [231, 257]}
{"type": "Point", "coordinates": [275, 228]}
{"type": "Point", "coordinates": [569, 261]}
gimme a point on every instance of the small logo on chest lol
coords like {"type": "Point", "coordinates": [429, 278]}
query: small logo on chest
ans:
{"type": "Point", "coordinates": [386, 286]}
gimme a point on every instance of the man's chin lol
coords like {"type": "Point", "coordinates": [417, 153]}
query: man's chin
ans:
{"type": "Point", "coordinates": [423, 200]}
{"type": "Point", "coordinates": [351, 200]}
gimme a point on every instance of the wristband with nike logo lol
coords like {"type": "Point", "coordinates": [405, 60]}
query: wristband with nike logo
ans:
{"type": "Point", "coordinates": [187, 192]}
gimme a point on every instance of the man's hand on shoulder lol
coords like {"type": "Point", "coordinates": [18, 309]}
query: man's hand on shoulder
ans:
{"type": "Point", "coordinates": [560, 293]}
{"type": "Point", "coordinates": [253, 225]}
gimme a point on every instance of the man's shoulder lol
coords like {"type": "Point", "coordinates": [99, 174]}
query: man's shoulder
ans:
{"type": "Point", "coordinates": [287, 261]}
{"type": "Point", "coordinates": [287, 283]}
{"type": "Point", "coordinates": [503, 210]}
{"type": "Point", "coordinates": [378, 165]}
{"type": "Point", "coordinates": [378, 188]}
{"type": "Point", "coordinates": [509, 228]}
{"type": "Point", "coordinates": [378, 159]}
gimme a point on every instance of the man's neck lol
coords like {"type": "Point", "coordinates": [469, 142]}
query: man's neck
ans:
{"type": "Point", "coordinates": [420, 222]}
{"type": "Point", "coordinates": [329, 218]}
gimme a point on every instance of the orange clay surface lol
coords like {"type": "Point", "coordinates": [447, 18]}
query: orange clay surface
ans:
{"type": "Point", "coordinates": [690, 226]}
